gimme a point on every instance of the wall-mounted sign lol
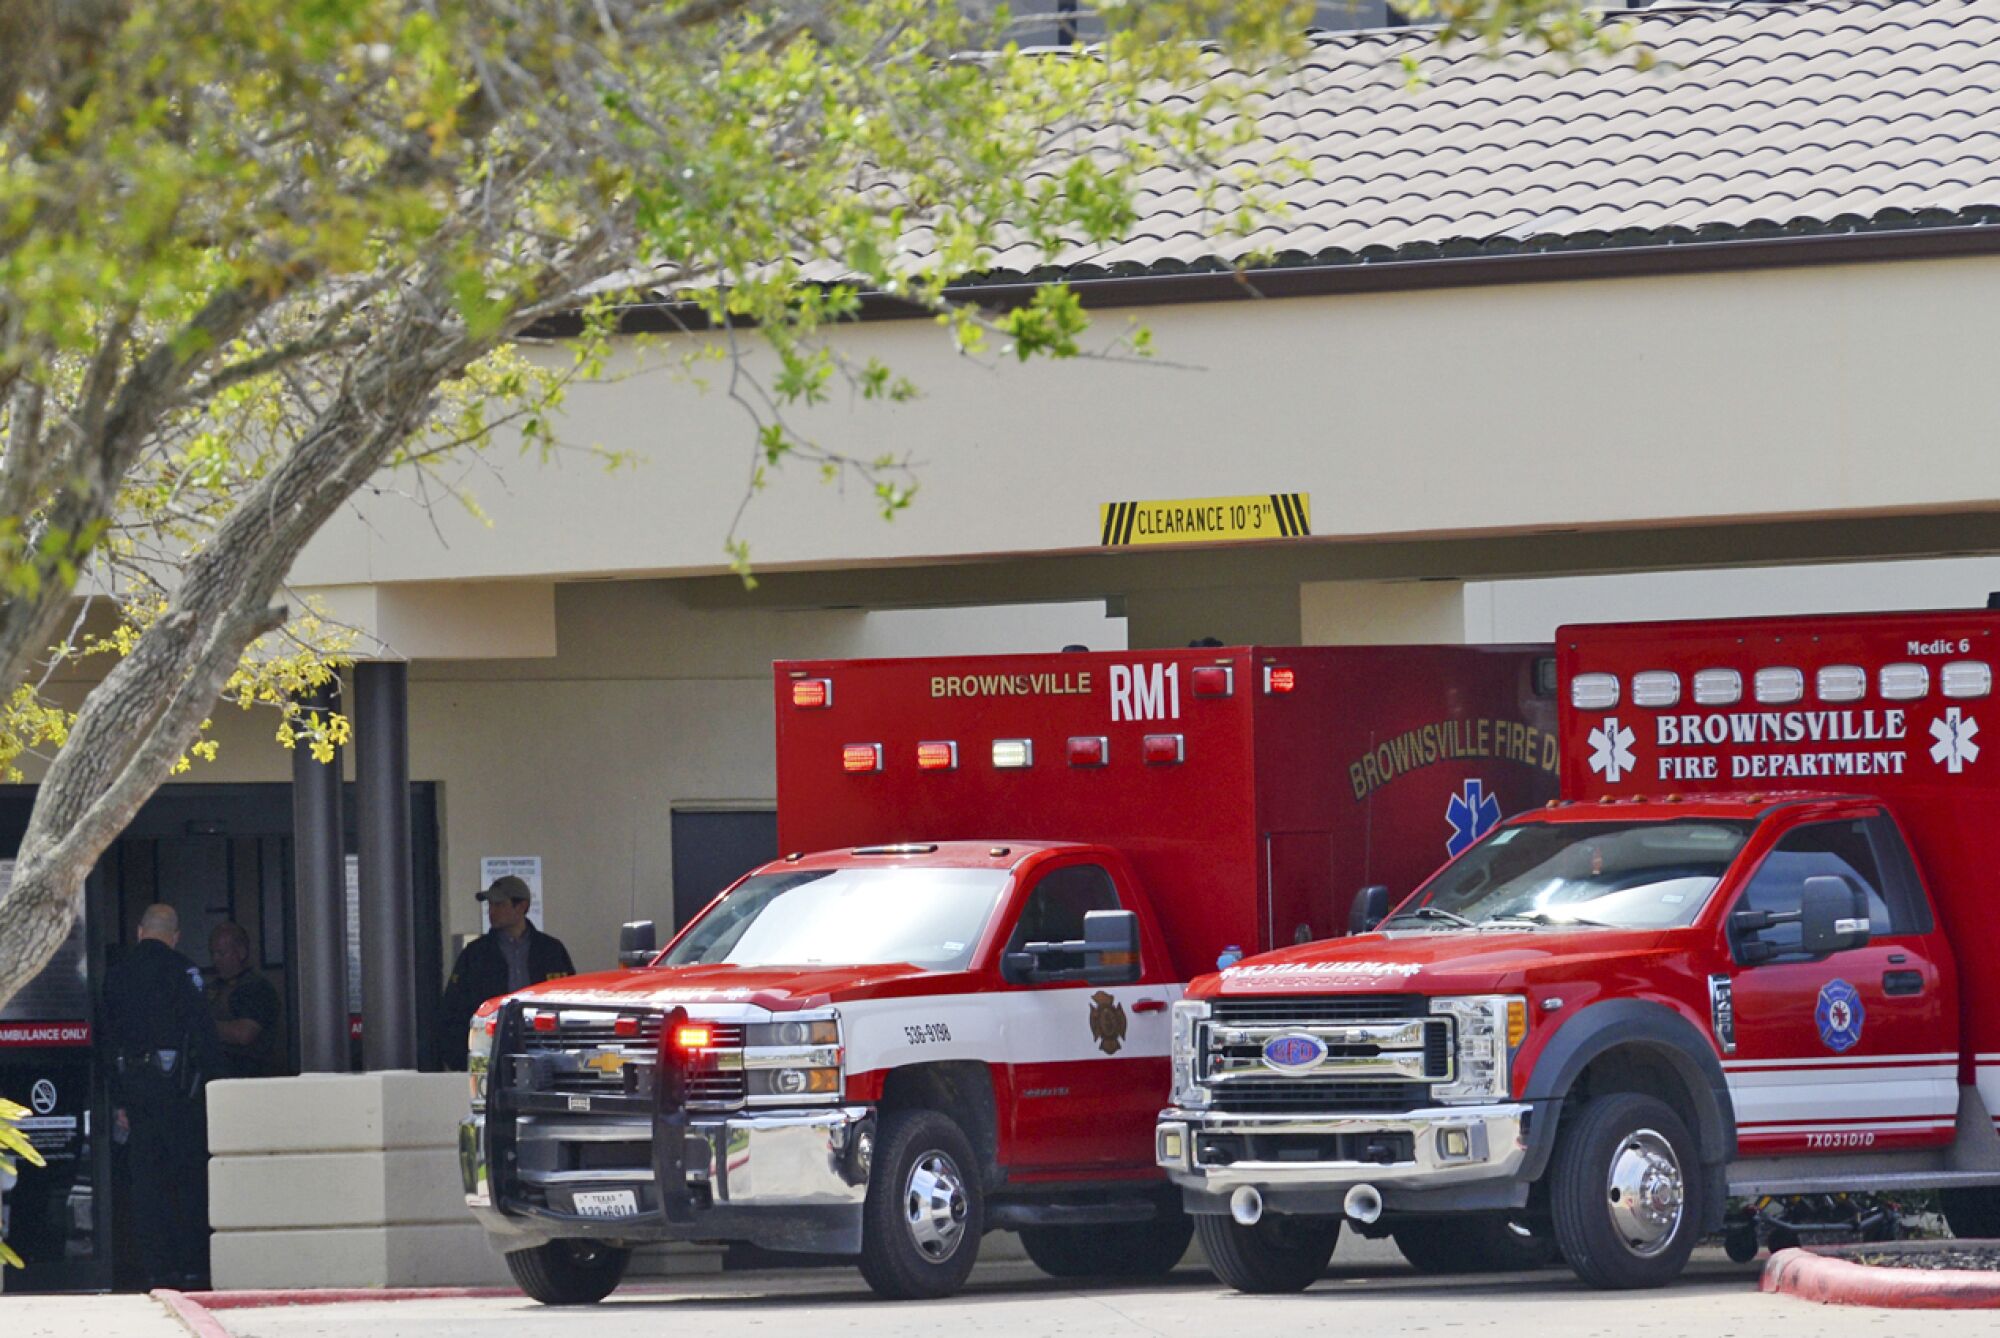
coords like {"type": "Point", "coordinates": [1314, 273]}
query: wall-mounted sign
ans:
{"type": "Point", "coordinates": [527, 868]}
{"type": "Point", "coordinates": [1205, 520]}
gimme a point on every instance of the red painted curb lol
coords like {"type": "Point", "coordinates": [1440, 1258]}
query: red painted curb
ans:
{"type": "Point", "coordinates": [247, 1300]}
{"type": "Point", "coordinates": [191, 1313]}
{"type": "Point", "coordinates": [1834, 1281]}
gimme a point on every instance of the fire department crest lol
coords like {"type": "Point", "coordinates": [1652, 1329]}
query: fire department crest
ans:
{"type": "Point", "coordinates": [1839, 1015]}
{"type": "Point", "coordinates": [1107, 1022]}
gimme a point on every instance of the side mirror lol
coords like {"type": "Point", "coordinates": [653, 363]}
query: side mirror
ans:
{"type": "Point", "coordinates": [1369, 908]}
{"type": "Point", "coordinates": [1107, 954]}
{"type": "Point", "coordinates": [1833, 916]}
{"type": "Point", "coordinates": [635, 943]}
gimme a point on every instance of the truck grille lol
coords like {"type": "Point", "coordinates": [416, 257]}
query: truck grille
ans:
{"type": "Point", "coordinates": [1381, 1053]}
{"type": "Point", "coordinates": [1336, 1096]}
{"type": "Point", "coordinates": [584, 1034]}
{"type": "Point", "coordinates": [1306, 1009]}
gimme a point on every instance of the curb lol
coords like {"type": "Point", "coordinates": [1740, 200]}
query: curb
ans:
{"type": "Point", "coordinates": [196, 1310]}
{"type": "Point", "coordinates": [1832, 1280]}
{"type": "Point", "coordinates": [190, 1313]}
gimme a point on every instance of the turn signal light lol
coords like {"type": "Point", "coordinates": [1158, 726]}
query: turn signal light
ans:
{"type": "Point", "coordinates": [1279, 678]}
{"type": "Point", "coordinates": [937, 756]}
{"type": "Point", "coordinates": [861, 757]}
{"type": "Point", "coordinates": [1517, 1022]}
{"type": "Point", "coordinates": [1164, 750]}
{"type": "Point", "coordinates": [1088, 750]}
{"type": "Point", "coordinates": [812, 693]}
{"type": "Point", "coordinates": [694, 1036]}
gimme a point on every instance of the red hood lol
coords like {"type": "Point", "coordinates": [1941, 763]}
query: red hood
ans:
{"type": "Point", "coordinates": [776, 987]}
{"type": "Point", "coordinates": [1429, 962]}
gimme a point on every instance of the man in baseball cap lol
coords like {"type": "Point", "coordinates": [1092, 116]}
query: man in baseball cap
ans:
{"type": "Point", "coordinates": [511, 955]}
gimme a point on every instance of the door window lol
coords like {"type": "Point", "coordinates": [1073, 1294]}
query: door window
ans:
{"type": "Point", "coordinates": [1055, 909]}
{"type": "Point", "coordinates": [1845, 850]}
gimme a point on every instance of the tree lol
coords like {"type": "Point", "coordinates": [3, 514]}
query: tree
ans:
{"type": "Point", "coordinates": [253, 253]}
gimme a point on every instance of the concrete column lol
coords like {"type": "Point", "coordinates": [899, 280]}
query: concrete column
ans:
{"type": "Point", "coordinates": [320, 885]}
{"type": "Point", "coordinates": [1382, 613]}
{"type": "Point", "coordinates": [382, 832]}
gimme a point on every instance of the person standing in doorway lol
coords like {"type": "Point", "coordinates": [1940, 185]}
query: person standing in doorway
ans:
{"type": "Point", "coordinates": [244, 1005]}
{"type": "Point", "coordinates": [511, 955]}
{"type": "Point", "coordinates": [163, 1050]}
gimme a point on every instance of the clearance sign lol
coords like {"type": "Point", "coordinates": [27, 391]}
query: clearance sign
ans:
{"type": "Point", "coordinates": [1206, 520]}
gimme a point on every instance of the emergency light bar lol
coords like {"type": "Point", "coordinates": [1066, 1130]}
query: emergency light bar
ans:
{"type": "Point", "coordinates": [861, 757]}
{"type": "Point", "coordinates": [1840, 682]}
{"type": "Point", "coordinates": [812, 694]}
{"type": "Point", "coordinates": [1656, 687]}
{"type": "Point", "coordinates": [1967, 678]}
{"type": "Point", "coordinates": [1905, 682]}
{"type": "Point", "coordinates": [1779, 685]}
{"type": "Point", "coordinates": [1717, 687]}
{"type": "Point", "coordinates": [1013, 754]}
{"type": "Point", "coordinates": [1164, 750]}
{"type": "Point", "coordinates": [1593, 692]}
{"type": "Point", "coordinates": [1089, 750]}
{"type": "Point", "coordinates": [938, 755]}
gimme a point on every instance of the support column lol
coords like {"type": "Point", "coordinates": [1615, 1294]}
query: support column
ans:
{"type": "Point", "coordinates": [320, 885]}
{"type": "Point", "coordinates": [382, 829]}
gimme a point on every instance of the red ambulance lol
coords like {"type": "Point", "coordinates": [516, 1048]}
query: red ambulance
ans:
{"type": "Point", "coordinates": [1751, 952]}
{"type": "Point", "coordinates": [949, 1015]}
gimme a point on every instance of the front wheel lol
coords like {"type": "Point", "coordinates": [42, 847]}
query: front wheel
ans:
{"type": "Point", "coordinates": [1472, 1243]}
{"type": "Point", "coordinates": [925, 1211]}
{"type": "Point", "coordinates": [1125, 1250]}
{"type": "Point", "coordinates": [568, 1272]}
{"type": "Point", "coordinates": [1625, 1191]}
{"type": "Point", "coordinates": [1278, 1254]}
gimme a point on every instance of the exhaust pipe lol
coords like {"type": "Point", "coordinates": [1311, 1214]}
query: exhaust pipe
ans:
{"type": "Point", "coordinates": [1363, 1203]}
{"type": "Point", "coordinates": [1246, 1205]}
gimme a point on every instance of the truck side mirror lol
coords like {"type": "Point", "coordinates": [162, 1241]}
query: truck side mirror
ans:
{"type": "Point", "coordinates": [1107, 954]}
{"type": "Point", "coordinates": [1833, 916]}
{"type": "Point", "coordinates": [635, 943]}
{"type": "Point", "coordinates": [1369, 908]}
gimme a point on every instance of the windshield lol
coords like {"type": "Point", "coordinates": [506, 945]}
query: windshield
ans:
{"type": "Point", "coordinates": [1621, 875]}
{"type": "Point", "coordinates": [847, 917]}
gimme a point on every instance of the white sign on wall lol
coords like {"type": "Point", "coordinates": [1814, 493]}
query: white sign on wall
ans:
{"type": "Point", "coordinates": [527, 868]}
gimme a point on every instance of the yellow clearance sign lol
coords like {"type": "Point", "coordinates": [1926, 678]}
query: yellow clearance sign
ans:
{"type": "Point", "coordinates": [1206, 520]}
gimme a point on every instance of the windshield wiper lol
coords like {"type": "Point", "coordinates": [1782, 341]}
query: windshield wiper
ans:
{"type": "Point", "coordinates": [1437, 913]}
{"type": "Point", "coordinates": [1544, 918]}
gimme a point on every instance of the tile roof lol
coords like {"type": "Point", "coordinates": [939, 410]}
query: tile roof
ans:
{"type": "Point", "coordinates": [1761, 119]}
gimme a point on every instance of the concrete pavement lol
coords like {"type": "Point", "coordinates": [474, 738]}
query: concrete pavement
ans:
{"type": "Point", "coordinates": [86, 1317]}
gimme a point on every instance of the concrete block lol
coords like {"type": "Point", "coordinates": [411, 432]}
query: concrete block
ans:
{"type": "Point", "coordinates": [330, 1189]}
{"type": "Point", "coordinates": [397, 1256]}
{"type": "Point", "coordinates": [333, 1112]}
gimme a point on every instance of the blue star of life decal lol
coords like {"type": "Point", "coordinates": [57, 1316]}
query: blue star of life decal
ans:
{"type": "Point", "coordinates": [1840, 1015]}
{"type": "Point", "coordinates": [1471, 815]}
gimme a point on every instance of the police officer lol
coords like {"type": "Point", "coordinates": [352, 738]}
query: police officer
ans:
{"type": "Point", "coordinates": [511, 955]}
{"type": "Point", "coordinates": [163, 1049]}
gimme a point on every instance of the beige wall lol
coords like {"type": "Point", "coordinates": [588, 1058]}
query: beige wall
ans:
{"type": "Point", "coordinates": [1381, 613]}
{"type": "Point", "coordinates": [1518, 407]}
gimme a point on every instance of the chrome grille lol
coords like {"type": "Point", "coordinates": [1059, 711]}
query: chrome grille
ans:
{"type": "Point", "coordinates": [1380, 1054]}
{"type": "Point", "coordinates": [1286, 1010]}
{"type": "Point", "coordinates": [582, 1046]}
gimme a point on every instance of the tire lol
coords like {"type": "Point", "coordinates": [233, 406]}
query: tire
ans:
{"type": "Point", "coordinates": [1472, 1243]}
{"type": "Point", "coordinates": [1125, 1250]}
{"type": "Point", "coordinates": [1740, 1244]}
{"type": "Point", "coordinates": [569, 1272]}
{"type": "Point", "coordinates": [925, 1210]}
{"type": "Point", "coordinates": [1972, 1214]}
{"type": "Point", "coordinates": [1279, 1254]}
{"type": "Point", "coordinates": [1614, 1238]}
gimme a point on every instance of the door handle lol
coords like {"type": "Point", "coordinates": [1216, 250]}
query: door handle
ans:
{"type": "Point", "coordinates": [1902, 982]}
{"type": "Point", "coordinates": [1149, 1006]}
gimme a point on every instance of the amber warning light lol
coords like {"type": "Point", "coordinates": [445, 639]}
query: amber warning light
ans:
{"type": "Point", "coordinates": [812, 693]}
{"type": "Point", "coordinates": [861, 757]}
{"type": "Point", "coordinates": [694, 1036]}
{"type": "Point", "coordinates": [937, 756]}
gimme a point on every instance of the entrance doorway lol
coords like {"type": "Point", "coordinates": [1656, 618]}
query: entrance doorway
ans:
{"type": "Point", "coordinates": [713, 847]}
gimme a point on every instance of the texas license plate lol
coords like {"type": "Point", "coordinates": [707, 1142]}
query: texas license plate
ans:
{"type": "Point", "coordinates": [606, 1202]}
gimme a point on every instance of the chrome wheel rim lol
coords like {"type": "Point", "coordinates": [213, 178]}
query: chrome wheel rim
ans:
{"type": "Point", "coordinates": [934, 1205]}
{"type": "Point", "coordinates": [1645, 1192]}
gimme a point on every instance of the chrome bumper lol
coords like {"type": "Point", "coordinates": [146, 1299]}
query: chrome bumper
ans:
{"type": "Point", "coordinates": [784, 1179]}
{"type": "Point", "coordinates": [1214, 1152]}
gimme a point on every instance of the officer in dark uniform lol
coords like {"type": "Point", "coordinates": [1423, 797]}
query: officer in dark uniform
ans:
{"type": "Point", "coordinates": [509, 956]}
{"type": "Point", "coordinates": [163, 1048]}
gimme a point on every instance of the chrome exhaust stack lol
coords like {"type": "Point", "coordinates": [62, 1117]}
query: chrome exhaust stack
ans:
{"type": "Point", "coordinates": [1363, 1204]}
{"type": "Point", "coordinates": [1246, 1205]}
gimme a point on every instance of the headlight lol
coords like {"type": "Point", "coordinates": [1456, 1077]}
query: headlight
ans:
{"type": "Point", "coordinates": [792, 1060]}
{"type": "Point", "coordinates": [1489, 1029]}
{"type": "Point", "coordinates": [479, 1056]}
{"type": "Point", "coordinates": [1188, 1016]}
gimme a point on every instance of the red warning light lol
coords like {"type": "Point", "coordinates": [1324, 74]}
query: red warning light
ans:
{"type": "Point", "coordinates": [545, 1022]}
{"type": "Point", "coordinates": [625, 1026]}
{"type": "Point", "coordinates": [812, 693]}
{"type": "Point", "coordinates": [1088, 750]}
{"type": "Point", "coordinates": [861, 757]}
{"type": "Point", "coordinates": [1164, 750]}
{"type": "Point", "coordinates": [1213, 680]}
{"type": "Point", "coordinates": [1279, 678]}
{"type": "Point", "coordinates": [939, 755]}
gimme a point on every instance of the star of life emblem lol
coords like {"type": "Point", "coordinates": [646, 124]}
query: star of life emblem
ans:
{"type": "Point", "coordinates": [1471, 815]}
{"type": "Point", "coordinates": [1611, 750]}
{"type": "Point", "coordinates": [1954, 733]}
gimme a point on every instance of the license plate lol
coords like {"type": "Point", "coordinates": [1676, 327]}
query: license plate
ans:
{"type": "Point", "coordinates": [606, 1202]}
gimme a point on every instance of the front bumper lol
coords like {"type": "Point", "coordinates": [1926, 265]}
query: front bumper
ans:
{"type": "Point", "coordinates": [1447, 1158]}
{"type": "Point", "coordinates": [785, 1180]}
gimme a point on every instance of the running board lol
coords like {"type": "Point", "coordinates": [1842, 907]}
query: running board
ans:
{"type": "Point", "coordinates": [1876, 1182]}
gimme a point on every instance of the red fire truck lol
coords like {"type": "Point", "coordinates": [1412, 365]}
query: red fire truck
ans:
{"type": "Point", "coordinates": [953, 1017]}
{"type": "Point", "coordinates": [1749, 953]}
